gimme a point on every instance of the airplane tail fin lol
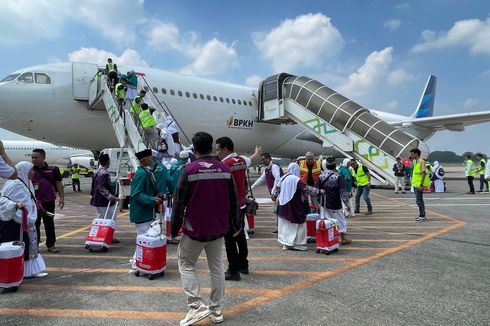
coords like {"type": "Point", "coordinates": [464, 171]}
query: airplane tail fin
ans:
{"type": "Point", "coordinates": [426, 103]}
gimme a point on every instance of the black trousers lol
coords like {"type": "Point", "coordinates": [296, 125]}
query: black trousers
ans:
{"type": "Point", "coordinates": [237, 248]}
{"type": "Point", "coordinates": [75, 182]}
{"type": "Point", "coordinates": [48, 224]}
{"type": "Point", "coordinates": [470, 183]}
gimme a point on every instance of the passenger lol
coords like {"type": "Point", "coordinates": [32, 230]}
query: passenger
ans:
{"type": "Point", "coordinates": [236, 245]}
{"type": "Point", "coordinates": [346, 175]}
{"type": "Point", "coordinates": [162, 179]}
{"type": "Point", "coordinates": [103, 191]}
{"type": "Point", "coordinates": [148, 123]}
{"type": "Point", "coordinates": [16, 195]}
{"type": "Point", "coordinates": [206, 192]}
{"type": "Point", "coordinates": [120, 94]}
{"type": "Point", "coordinates": [111, 71]}
{"type": "Point", "coordinates": [132, 83]}
{"type": "Point", "coordinates": [292, 197]}
{"type": "Point", "coordinates": [470, 172]}
{"type": "Point", "coordinates": [47, 182]}
{"type": "Point", "coordinates": [176, 168]}
{"type": "Point", "coordinates": [487, 173]}
{"type": "Point", "coordinates": [75, 177]}
{"type": "Point", "coordinates": [172, 129]}
{"type": "Point", "coordinates": [419, 181]}
{"type": "Point", "coordinates": [399, 170]}
{"type": "Point", "coordinates": [165, 143]}
{"type": "Point", "coordinates": [363, 180]}
{"type": "Point", "coordinates": [309, 171]}
{"type": "Point", "coordinates": [481, 170]}
{"type": "Point", "coordinates": [7, 168]}
{"type": "Point", "coordinates": [438, 178]}
{"type": "Point", "coordinates": [334, 197]}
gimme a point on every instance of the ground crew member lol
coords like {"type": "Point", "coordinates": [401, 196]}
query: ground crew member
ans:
{"type": "Point", "coordinates": [236, 247]}
{"type": "Point", "coordinates": [419, 181]}
{"type": "Point", "coordinates": [481, 169]}
{"type": "Point", "coordinates": [111, 71]}
{"type": "Point", "coordinates": [148, 122]}
{"type": "Point", "coordinates": [363, 180]}
{"type": "Point", "coordinates": [75, 176]}
{"type": "Point", "coordinates": [399, 171]}
{"type": "Point", "coordinates": [309, 170]}
{"type": "Point", "coordinates": [470, 172]}
{"type": "Point", "coordinates": [136, 104]}
{"type": "Point", "coordinates": [120, 93]}
{"type": "Point", "coordinates": [206, 192]}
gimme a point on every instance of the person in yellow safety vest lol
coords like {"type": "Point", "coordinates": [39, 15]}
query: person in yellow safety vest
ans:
{"type": "Point", "coordinates": [148, 122]}
{"type": "Point", "coordinates": [363, 180]}
{"type": "Point", "coordinates": [136, 104]}
{"type": "Point", "coordinates": [428, 175]}
{"type": "Point", "coordinates": [481, 169]}
{"type": "Point", "coordinates": [111, 71]}
{"type": "Point", "coordinates": [419, 181]}
{"type": "Point", "coordinates": [120, 93]}
{"type": "Point", "coordinates": [470, 172]}
{"type": "Point", "coordinates": [75, 177]}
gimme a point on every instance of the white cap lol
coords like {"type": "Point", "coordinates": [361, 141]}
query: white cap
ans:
{"type": "Point", "coordinates": [184, 154]}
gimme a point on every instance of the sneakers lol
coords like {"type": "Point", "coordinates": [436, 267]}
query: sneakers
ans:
{"type": "Point", "coordinates": [216, 316]}
{"type": "Point", "coordinates": [244, 271]}
{"type": "Point", "coordinates": [357, 211]}
{"type": "Point", "coordinates": [40, 275]}
{"type": "Point", "coordinates": [403, 192]}
{"type": "Point", "coordinates": [232, 276]}
{"type": "Point", "coordinates": [369, 213]}
{"type": "Point", "coordinates": [53, 249]}
{"type": "Point", "coordinates": [195, 314]}
{"type": "Point", "coordinates": [420, 219]}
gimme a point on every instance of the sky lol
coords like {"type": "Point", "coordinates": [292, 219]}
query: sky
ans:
{"type": "Point", "coordinates": [379, 53]}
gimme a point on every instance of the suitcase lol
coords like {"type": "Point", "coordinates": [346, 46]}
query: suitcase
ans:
{"type": "Point", "coordinates": [12, 259]}
{"type": "Point", "coordinates": [151, 253]}
{"type": "Point", "coordinates": [327, 236]}
{"type": "Point", "coordinates": [101, 232]}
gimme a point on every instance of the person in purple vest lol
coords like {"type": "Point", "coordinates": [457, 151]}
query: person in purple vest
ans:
{"type": "Point", "coordinates": [206, 204]}
{"type": "Point", "coordinates": [47, 182]}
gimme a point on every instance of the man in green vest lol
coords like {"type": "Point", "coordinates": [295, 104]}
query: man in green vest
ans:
{"type": "Point", "coordinates": [470, 172]}
{"type": "Point", "coordinates": [481, 169]}
{"type": "Point", "coordinates": [120, 93]}
{"type": "Point", "coordinates": [111, 71]}
{"type": "Point", "coordinates": [148, 123]}
{"type": "Point", "coordinates": [75, 176]}
{"type": "Point", "coordinates": [420, 180]}
{"type": "Point", "coordinates": [135, 109]}
{"type": "Point", "coordinates": [363, 180]}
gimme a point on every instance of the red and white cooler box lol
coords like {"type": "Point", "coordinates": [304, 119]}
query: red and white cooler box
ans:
{"type": "Point", "coordinates": [311, 220]}
{"type": "Point", "coordinates": [102, 231]}
{"type": "Point", "coordinates": [327, 236]}
{"type": "Point", "coordinates": [12, 264]}
{"type": "Point", "coordinates": [151, 254]}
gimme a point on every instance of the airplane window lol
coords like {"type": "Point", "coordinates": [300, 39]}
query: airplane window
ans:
{"type": "Point", "coordinates": [239, 102]}
{"type": "Point", "coordinates": [250, 103]}
{"type": "Point", "coordinates": [227, 100]}
{"type": "Point", "coordinates": [187, 94]}
{"type": "Point", "coordinates": [208, 97]}
{"type": "Point", "coordinates": [172, 92]}
{"type": "Point", "coordinates": [26, 77]}
{"type": "Point", "coordinates": [180, 93]}
{"type": "Point", "coordinates": [42, 78]}
{"type": "Point", "coordinates": [201, 96]}
{"type": "Point", "coordinates": [233, 100]}
{"type": "Point", "coordinates": [215, 98]}
{"type": "Point", "coordinates": [155, 90]}
{"type": "Point", "coordinates": [221, 99]}
{"type": "Point", "coordinates": [146, 88]}
{"type": "Point", "coordinates": [9, 78]}
{"type": "Point", "coordinates": [194, 95]}
{"type": "Point", "coordinates": [164, 91]}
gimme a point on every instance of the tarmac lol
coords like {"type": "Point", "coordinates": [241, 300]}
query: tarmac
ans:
{"type": "Point", "coordinates": [396, 272]}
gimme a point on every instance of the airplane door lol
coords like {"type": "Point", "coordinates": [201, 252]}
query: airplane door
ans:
{"type": "Point", "coordinates": [82, 74]}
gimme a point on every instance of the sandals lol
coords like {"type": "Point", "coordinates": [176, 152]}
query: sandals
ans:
{"type": "Point", "coordinates": [346, 241]}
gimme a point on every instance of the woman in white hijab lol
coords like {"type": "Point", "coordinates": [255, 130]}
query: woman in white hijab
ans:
{"type": "Point", "coordinates": [438, 177]}
{"type": "Point", "coordinates": [17, 194]}
{"type": "Point", "coordinates": [290, 193]}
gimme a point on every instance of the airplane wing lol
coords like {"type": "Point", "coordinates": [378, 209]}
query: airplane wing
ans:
{"type": "Point", "coordinates": [453, 122]}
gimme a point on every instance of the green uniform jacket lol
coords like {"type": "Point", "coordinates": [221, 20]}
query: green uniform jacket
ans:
{"type": "Point", "coordinates": [176, 171]}
{"type": "Point", "coordinates": [162, 178]}
{"type": "Point", "coordinates": [143, 195]}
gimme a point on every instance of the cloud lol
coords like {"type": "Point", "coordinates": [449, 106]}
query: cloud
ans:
{"type": "Point", "coordinates": [471, 103]}
{"type": "Point", "coordinates": [391, 105]}
{"type": "Point", "coordinates": [471, 33]}
{"type": "Point", "coordinates": [371, 73]}
{"type": "Point", "coordinates": [253, 81]}
{"type": "Point", "coordinates": [128, 57]}
{"type": "Point", "coordinates": [33, 20]}
{"type": "Point", "coordinates": [402, 6]}
{"type": "Point", "coordinates": [392, 24]}
{"type": "Point", "coordinates": [399, 76]}
{"type": "Point", "coordinates": [304, 41]}
{"type": "Point", "coordinates": [166, 36]}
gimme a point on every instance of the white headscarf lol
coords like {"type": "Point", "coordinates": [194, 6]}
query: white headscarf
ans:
{"type": "Point", "coordinates": [289, 184]}
{"type": "Point", "coordinates": [436, 164]}
{"type": "Point", "coordinates": [345, 162]}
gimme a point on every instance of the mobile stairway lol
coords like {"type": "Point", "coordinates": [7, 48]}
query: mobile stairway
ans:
{"type": "Point", "coordinates": [337, 121]}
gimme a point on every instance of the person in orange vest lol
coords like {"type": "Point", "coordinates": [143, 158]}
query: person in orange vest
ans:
{"type": "Point", "coordinates": [309, 171]}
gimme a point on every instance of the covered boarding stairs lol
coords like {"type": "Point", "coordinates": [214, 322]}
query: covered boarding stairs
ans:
{"type": "Point", "coordinates": [337, 121]}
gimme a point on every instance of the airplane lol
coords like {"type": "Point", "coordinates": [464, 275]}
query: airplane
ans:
{"type": "Point", "coordinates": [49, 102]}
{"type": "Point", "coordinates": [21, 150]}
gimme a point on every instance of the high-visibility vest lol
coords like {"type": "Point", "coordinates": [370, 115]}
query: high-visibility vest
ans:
{"type": "Point", "coordinates": [303, 170]}
{"type": "Point", "coordinates": [362, 178]}
{"type": "Point", "coordinates": [473, 170]}
{"type": "Point", "coordinates": [111, 67]}
{"type": "Point", "coordinates": [482, 170]}
{"type": "Point", "coordinates": [135, 106]}
{"type": "Point", "coordinates": [417, 175]}
{"type": "Point", "coordinates": [120, 93]}
{"type": "Point", "coordinates": [147, 119]}
{"type": "Point", "coordinates": [74, 173]}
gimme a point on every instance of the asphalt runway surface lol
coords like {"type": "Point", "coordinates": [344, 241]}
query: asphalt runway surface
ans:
{"type": "Point", "coordinates": [396, 272]}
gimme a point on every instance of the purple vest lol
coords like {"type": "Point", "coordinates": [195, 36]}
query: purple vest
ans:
{"type": "Point", "coordinates": [208, 209]}
{"type": "Point", "coordinates": [269, 177]}
{"type": "Point", "coordinates": [295, 210]}
{"type": "Point", "coordinates": [44, 182]}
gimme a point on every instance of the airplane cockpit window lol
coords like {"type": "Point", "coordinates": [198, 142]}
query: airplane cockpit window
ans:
{"type": "Point", "coordinates": [26, 77]}
{"type": "Point", "coordinates": [9, 78]}
{"type": "Point", "coordinates": [41, 78]}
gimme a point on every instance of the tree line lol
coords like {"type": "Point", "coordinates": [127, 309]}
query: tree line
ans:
{"type": "Point", "coordinates": [451, 157]}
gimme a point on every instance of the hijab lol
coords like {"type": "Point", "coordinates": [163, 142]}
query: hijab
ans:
{"type": "Point", "coordinates": [289, 184]}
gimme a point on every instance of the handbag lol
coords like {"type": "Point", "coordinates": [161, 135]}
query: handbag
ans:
{"type": "Point", "coordinates": [252, 206]}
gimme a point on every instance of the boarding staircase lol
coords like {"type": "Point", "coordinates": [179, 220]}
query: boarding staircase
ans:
{"type": "Point", "coordinates": [337, 121]}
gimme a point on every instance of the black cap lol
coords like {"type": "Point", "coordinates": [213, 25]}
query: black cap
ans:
{"type": "Point", "coordinates": [144, 153]}
{"type": "Point", "coordinates": [103, 158]}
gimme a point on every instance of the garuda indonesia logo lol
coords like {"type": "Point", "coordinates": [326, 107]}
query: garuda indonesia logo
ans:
{"type": "Point", "coordinates": [232, 122]}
